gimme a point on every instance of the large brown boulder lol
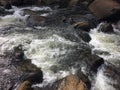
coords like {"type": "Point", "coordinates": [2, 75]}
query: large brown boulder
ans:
{"type": "Point", "coordinates": [105, 8]}
{"type": "Point", "coordinates": [26, 85]}
{"type": "Point", "coordinates": [71, 82]}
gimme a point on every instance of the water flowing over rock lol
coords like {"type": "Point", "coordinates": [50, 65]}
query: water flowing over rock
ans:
{"type": "Point", "coordinates": [57, 47]}
{"type": "Point", "coordinates": [15, 69]}
{"type": "Point", "coordinates": [106, 79]}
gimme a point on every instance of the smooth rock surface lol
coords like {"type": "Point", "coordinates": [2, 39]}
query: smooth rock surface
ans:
{"type": "Point", "coordinates": [71, 82]}
{"type": "Point", "coordinates": [105, 8]}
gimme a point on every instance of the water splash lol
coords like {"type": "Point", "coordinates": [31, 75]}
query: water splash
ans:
{"type": "Point", "coordinates": [103, 42]}
{"type": "Point", "coordinates": [109, 43]}
{"type": "Point", "coordinates": [54, 54]}
{"type": "Point", "coordinates": [103, 82]}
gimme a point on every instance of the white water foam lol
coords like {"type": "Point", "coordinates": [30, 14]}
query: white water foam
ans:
{"type": "Point", "coordinates": [34, 8]}
{"type": "Point", "coordinates": [18, 18]}
{"type": "Point", "coordinates": [103, 82]}
{"type": "Point", "coordinates": [106, 42]}
{"type": "Point", "coordinates": [45, 53]}
{"type": "Point", "coordinates": [15, 19]}
{"type": "Point", "coordinates": [109, 43]}
{"type": "Point", "coordinates": [7, 43]}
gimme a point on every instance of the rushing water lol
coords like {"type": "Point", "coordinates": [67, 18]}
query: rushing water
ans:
{"type": "Point", "coordinates": [108, 47]}
{"type": "Point", "coordinates": [54, 51]}
{"type": "Point", "coordinates": [51, 49]}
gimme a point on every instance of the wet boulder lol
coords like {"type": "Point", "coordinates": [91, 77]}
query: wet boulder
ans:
{"type": "Point", "coordinates": [29, 79]}
{"type": "Point", "coordinates": [18, 53]}
{"type": "Point", "coordinates": [26, 85]}
{"type": "Point", "coordinates": [95, 62]}
{"type": "Point", "coordinates": [106, 28]}
{"type": "Point", "coordinates": [5, 3]}
{"type": "Point", "coordinates": [3, 12]}
{"type": "Point", "coordinates": [84, 78]}
{"type": "Point", "coordinates": [16, 69]}
{"type": "Point", "coordinates": [105, 9]}
{"type": "Point", "coordinates": [84, 21]}
{"type": "Point", "coordinates": [34, 77]}
{"type": "Point", "coordinates": [83, 35]}
{"type": "Point", "coordinates": [118, 25]}
{"type": "Point", "coordinates": [13, 74]}
{"type": "Point", "coordinates": [71, 82]}
{"type": "Point", "coordinates": [34, 19]}
{"type": "Point", "coordinates": [82, 25]}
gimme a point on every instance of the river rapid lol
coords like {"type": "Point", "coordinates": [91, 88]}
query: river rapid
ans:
{"type": "Point", "coordinates": [55, 52]}
{"type": "Point", "coordinates": [107, 47]}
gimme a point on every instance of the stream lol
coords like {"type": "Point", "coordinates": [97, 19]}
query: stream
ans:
{"type": "Point", "coordinates": [56, 53]}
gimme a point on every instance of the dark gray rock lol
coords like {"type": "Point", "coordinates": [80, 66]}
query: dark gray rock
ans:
{"type": "Point", "coordinates": [84, 35]}
{"type": "Point", "coordinates": [106, 28]}
{"type": "Point", "coordinates": [15, 69]}
{"type": "Point", "coordinates": [3, 12]}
